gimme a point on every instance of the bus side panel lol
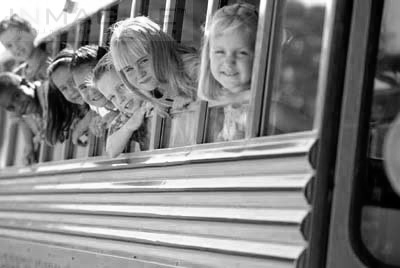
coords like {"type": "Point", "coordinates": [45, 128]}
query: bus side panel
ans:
{"type": "Point", "coordinates": [240, 206]}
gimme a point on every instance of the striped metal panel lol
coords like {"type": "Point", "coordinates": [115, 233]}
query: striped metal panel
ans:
{"type": "Point", "coordinates": [240, 204]}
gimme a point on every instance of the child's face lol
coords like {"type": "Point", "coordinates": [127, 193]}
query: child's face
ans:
{"type": "Point", "coordinates": [88, 91]}
{"type": "Point", "coordinates": [18, 42]}
{"type": "Point", "coordinates": [14, 99]}
{"type": "Point", "coordinates": [141, 74]}
{"type": "Point", "coordinates": [62, 78]}
{"type": "Point", "coordinates": [114, 90]}
{"type": "Point", "coordinates": [231, 59]}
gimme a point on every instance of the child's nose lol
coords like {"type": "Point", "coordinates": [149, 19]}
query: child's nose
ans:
{"type": "Point", "coordinates": [230, 59]}
{"type": "Point", "coordinates": [122, 99]}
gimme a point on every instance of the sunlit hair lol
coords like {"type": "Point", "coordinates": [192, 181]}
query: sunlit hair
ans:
{"type": "Point", "coordinates": [138, 37]}
{"type": "Point", "coordinates": [240, 17]}
{"type": "Point", "coordinates": [17, 22]}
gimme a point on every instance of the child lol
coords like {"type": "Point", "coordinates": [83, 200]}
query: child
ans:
{"type": "Point", "coordinates": [71, 112]}
{"type": "Point", "coordinates": [83, 61]}
{"type": "Point", "coordinates": [131, 123]}
{"type": "Point", "coordinates": [226, 65]}
{"type": "Point", "coordinates": [17, 36]}
{"type": "Point", "coordinates": [29, 102]}
{"type": "Point", "coordinates": [153, 62]}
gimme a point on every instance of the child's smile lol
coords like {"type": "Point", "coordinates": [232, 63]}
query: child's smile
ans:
{"type": "Point", "coordinates": [231, 59]}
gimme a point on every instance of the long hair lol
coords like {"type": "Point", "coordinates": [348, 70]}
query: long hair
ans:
{"type": "Point", "coordinates": [135, 37]}
{"type": "Point", "coordinates": [233, 17]}
{"type": "Point", "coordinates": [61, 112]}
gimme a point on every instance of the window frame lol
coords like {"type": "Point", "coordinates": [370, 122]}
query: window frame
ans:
{"type": "Point", "coordinates": [345, 246]}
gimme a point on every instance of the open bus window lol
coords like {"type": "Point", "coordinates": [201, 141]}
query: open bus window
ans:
{"type": "Point", "coordinates": [380, 211]}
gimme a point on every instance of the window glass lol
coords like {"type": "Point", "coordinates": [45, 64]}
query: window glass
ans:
{"type": "Point", "coordinates": [156, 11]}
{"type": "Point", "coordinates": [295, 63]}
{"type": "Point", "coordinates": [63, 41]}
{"type": "Point", "coordinates": [380, 210]}
{"type": "Point", "coordinates": [298, 59]}
{"type": "Point", "coordinates": [194, 19]}
{"type": "Point", "coordinates": [124, 9]}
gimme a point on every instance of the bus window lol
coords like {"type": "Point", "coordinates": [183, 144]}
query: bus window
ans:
{"type": "Point", "coordinates": [194, 19]}
{"type": "Point", "coordinates": [156, 10]}
{"type": "Point", "coordinates": [294, 86]}
{"type": "Point", "coordinates": [292, 75]}
{"type": "Point", "coordinates": [63, 41]}
{"type": "Point", "coordinates": [380, 205]}
{"type": "Point", "coordinates": [124, 9]}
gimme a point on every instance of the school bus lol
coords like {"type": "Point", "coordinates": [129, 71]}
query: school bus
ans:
{"type": "Point", "coordinates": [314, 196]}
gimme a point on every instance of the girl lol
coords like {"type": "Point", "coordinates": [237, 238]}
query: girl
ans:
{"type": "Point", "coordinates": [17, 36]}
{"type": "Point", "coordinates": [69, 110]}
{"type": "Point", "coordinates": [153, 64]}
{"type": "Point", "coordinates": [28, 101]}
{"type": "Point", "coordinates": [226, 65]}
{"type": "Point", "coordinates": [83, 61]}
{"type": "Point", "coordinates": [131, 123]}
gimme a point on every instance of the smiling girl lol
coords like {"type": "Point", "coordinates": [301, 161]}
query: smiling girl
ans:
{"type": "Point", "coordinates": [153, 63]}
{"type": "Point", "coordinates": [226, 65]}
{"type": "Point", "coordinates": [17, 36]}
{"type": "Point", "coordinates": [131, 124]}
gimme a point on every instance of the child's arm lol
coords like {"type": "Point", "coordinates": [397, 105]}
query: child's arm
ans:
{"type": "Point", "coordinates": [241, 97]}
{"type": "Point", "coordinates": [82, 127]}
{"type": "Point", "coordinates": [29, 156]}
{"type": "Point", "coordinates": [117, 141]}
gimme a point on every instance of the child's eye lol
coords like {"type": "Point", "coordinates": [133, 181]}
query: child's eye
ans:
{"type": "Point", "coordinates": [120, 88]}
{"type": "Point", "coordinates": [143, 61]}
{"type": "Point", "coordinates": [128, 69]}
{"type": "Point", "coordinates": [10, 107]}
{"type": "Point", "coordinates": [219, 52]}
{"type": "Point", "coordinates": [243, 53]}
{"type": "Point", "coordinates": [15, 97]}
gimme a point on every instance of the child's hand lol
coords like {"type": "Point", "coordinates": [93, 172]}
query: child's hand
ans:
{"type": "Point", "coordinates": [97, 126]}
{"type": "Point", "coordinates": [29, 155]}
{"type": "Point", "coordinates": [81, 128]}
{"type": "Point", "coordinates": [180, 102]}
{"type": "Point", "coordinates": [162, 107]}
{"type": "Point", "coordinates": [136, 119]}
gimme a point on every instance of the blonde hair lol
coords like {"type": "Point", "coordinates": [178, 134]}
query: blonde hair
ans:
{"type": "Point", "coordinates": [228, 18]}
{"type": "Point", "coordinates": [136, 37]}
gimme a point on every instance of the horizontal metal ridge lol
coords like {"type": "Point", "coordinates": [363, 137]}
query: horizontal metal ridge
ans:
{"type": "Point", "coordinates": [277, 199]}
{"type": "Point", "coordinates": [259, 182]}
{"type": "Point", "coordinates": [244, 231]}
{"type": "Point", "coordinates": [289, 145]}
{"type": "Point", "coordinates": [58, 245]}
{"type": "Point", "coordinates": [219, 244]}
{"type": "Point", "coordinates": [270, 215]}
